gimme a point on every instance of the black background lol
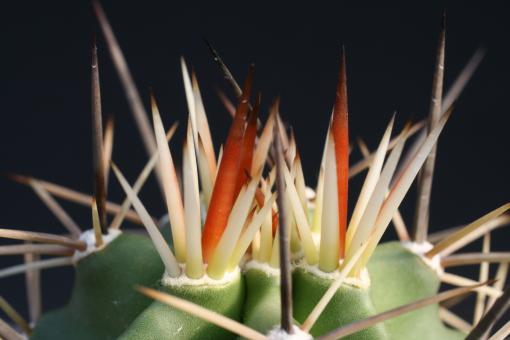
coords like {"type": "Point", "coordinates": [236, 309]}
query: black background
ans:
{"type": "Point", "coordinates": [45, 94]}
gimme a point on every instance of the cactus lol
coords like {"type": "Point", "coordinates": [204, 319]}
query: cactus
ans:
{"type": "Point", "coordinates": [247, 249]}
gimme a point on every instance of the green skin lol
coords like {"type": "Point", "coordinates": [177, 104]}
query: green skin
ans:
{"type": "Point", "coordinates": [349, 304]}
{"type": "Point", "coordinates": [262, 305]}
{"type": "Point", "coordinates": [399, 277]}
{"type": "Point", "coordinates": [103, 301]}
{"type": "Point", "coordinates": [160, 321]}
{"type": "Point", "coordinates": [100, 310]}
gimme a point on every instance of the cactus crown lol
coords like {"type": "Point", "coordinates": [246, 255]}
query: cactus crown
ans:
{"type": "Point", "coordinates": [259, 214]}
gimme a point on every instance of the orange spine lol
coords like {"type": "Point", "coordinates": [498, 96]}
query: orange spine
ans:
{"type": "Point", "coordinates": [223, 195]}
{"type": "Point", "coordinates": [341, 138]}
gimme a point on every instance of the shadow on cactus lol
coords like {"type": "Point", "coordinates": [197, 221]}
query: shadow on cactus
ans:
{"type": "Point", "coordinates": [247, 248]}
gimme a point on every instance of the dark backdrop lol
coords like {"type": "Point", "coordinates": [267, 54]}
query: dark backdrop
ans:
{"type": "Point", "coordinates": [45, 94]}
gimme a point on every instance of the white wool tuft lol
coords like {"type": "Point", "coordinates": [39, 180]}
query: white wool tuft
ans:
{"type": "Point", "coordinates": [205, 280]}
{"type": "Point", "coordinates": [263, 267]}
{"type": "Point", "coordinates": [362, 282]}
{"type": "Point", "coordinates": [89, 237]}
{"type": "Point", "coordinates": [310, 194]}
{"type": "Point", "coordinates": [280, 334]}
{"type": "Point", "coordinates": [420, 249]}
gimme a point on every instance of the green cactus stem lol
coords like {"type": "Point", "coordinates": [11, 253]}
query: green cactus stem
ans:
{"type": "Point", "coordinates": [262, 305]}
{"type": "Point", "coordinates": [103, 302]}
{"type": "Point", "coordinates": [350, 303]}
{"type": "Point", "coordinates": [161, 322]}
{"type": "Point", "coordinates": [398, 277]}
